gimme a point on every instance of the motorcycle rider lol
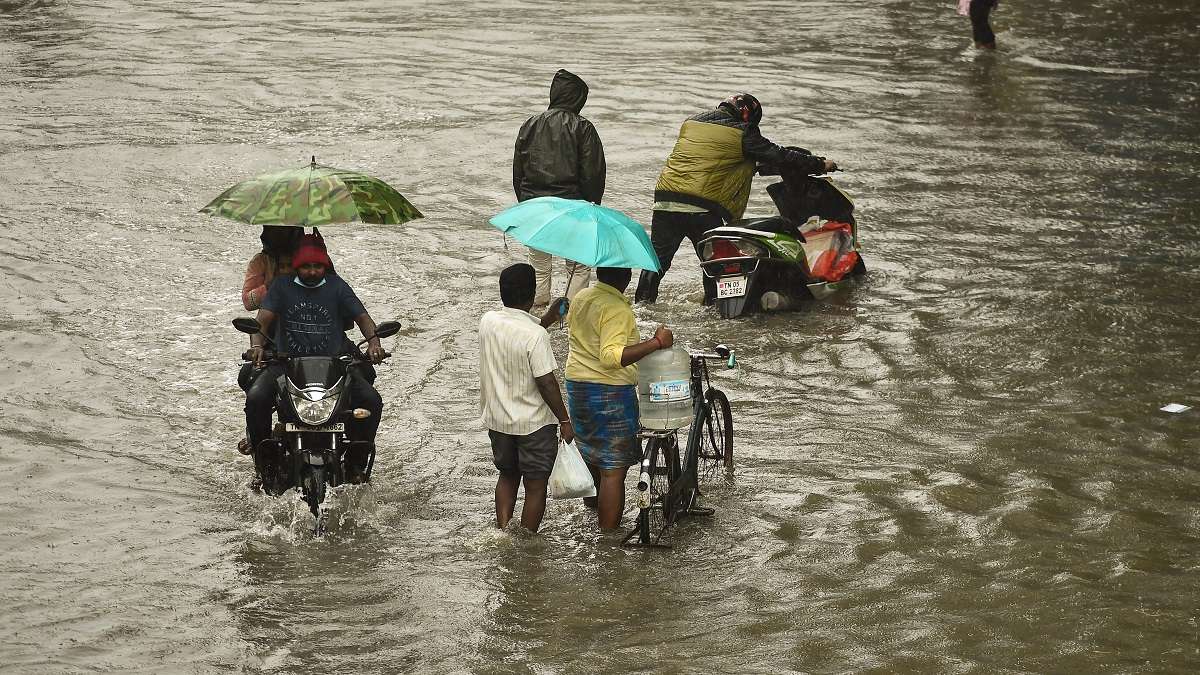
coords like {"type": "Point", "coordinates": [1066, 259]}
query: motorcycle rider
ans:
{"type": "Point", "coordinates": [706, 180]}
{"type": "Point", "coordinates": [311, 307]}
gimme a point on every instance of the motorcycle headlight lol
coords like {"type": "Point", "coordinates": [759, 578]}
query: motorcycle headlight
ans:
{"type": "Point", "coordinates": [314, 412]}
{"type": "Point", "coordinates": [315, 405]}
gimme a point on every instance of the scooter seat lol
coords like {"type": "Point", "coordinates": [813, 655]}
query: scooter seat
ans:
{"type": "Point", "coordinates": [777, 224]}
{"type": "Point", "coordinates": [766, 227]}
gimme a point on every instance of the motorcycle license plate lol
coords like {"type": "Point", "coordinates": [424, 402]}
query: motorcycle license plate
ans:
{"type": "Point", "coordinates": [731, 287]}
{"type": "Point", "coordinates": [336, 428]}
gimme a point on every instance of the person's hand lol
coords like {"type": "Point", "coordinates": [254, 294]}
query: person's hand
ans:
{"type": "Point", "coordinates": [665, 337]}
{"type": "Point", "coordinates": [555, 312]}
{"type": "Point", "coordinates": [375, 351]}
{"type": "Point", "coordinates": [830, 166]}
{"type": "Point", "coordinates": [255, 355]}
{"type": "Point", "coordinates": [567, 431]}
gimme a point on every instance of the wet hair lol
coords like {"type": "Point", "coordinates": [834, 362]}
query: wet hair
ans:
{"type": "Point", "coordinates": [517, 285]}
{"type": "Point", "coordinates": [617, 277]}
{"type": "Point", "coordinates": [280, 240]}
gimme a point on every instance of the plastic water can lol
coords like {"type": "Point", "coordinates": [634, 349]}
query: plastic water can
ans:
{"type": "Point", "coordinates": [664, 389]}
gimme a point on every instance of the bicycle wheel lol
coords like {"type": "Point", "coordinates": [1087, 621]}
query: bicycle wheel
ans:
{"type": "Point", "coordinates": [716, 435]}
{"type": "Point", "coordinates": [662, 468]}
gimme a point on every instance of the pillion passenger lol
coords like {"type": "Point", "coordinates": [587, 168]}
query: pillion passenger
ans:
{"type": "Point", "coordinates": [706, 180]}
{"type": "Point", "coordinates": [274, 260]}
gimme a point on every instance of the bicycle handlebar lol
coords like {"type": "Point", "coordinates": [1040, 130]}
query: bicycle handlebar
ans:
{"type": "Point", "coordinates": [720, 353]}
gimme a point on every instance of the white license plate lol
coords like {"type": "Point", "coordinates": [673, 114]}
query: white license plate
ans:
{"type": "Point", "coordinates": [336, 428]}
{"type": "Point", "coordinates": [731, 287]}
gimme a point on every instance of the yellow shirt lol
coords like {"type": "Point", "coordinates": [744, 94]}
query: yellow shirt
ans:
{"type": "Point", "coordinates": [602, 325]}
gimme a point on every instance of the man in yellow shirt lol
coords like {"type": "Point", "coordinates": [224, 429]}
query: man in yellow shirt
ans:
{"type": "Point", "coordinates": [602, 384]}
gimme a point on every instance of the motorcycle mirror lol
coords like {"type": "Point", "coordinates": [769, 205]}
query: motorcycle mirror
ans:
{"type": "Point", "coordinates": [247, 324]}
{"type": "Point", "coordinates": [387, 329]}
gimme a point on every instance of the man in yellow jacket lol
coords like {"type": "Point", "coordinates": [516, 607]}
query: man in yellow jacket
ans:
{"type": "Point", "coordinates": [706, 181]}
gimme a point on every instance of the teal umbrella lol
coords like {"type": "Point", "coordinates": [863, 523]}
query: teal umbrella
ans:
{"type": "Point", "coordinates": [579, 230]}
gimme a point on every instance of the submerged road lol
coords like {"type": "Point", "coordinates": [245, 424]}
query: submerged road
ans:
{"type": "Point", "coordinates": [959, 466]}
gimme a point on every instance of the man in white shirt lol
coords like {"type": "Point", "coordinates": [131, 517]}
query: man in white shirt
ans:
{"type": "Point", "coordinates": [519, 398]}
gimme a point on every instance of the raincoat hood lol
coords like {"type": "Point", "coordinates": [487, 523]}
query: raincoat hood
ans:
{"type": "Point", "coordinates": [568, 91]}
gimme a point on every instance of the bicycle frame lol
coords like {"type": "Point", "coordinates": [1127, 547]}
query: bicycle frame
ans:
{"type": "Point", "coordinates": [682, 477]}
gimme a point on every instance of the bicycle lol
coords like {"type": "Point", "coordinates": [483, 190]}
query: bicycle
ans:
{"type": "Point", "coordinates": [668, 486]}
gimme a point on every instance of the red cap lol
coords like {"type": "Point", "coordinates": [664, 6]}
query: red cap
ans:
{"type": "Point", "coordinates": [310, 250]}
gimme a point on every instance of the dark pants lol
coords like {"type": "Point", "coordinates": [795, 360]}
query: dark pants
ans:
{"type": "Point", "coordinates": [260, 401]}
{"type": "Point", "coordinates": [667, 231]}
{"type": "Point", "coordinates": [981, 29]}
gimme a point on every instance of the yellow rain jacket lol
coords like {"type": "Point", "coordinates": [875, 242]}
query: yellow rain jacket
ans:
{"type": "Point", "coordinates": [708, 169]}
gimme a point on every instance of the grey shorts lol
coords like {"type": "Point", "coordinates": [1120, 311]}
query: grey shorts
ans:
{"type": "Point", "coordinates": [531, 455]}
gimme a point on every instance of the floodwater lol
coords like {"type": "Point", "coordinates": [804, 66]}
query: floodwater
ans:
{"type": "Point", "coordinates": [958, 466]}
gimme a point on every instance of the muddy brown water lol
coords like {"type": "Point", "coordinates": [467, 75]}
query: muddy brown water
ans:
{"type": "Point", "coordinates": [958, 466]}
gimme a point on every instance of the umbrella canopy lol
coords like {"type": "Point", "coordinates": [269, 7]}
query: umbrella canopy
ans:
{"type": "Point", "coordinates": [313, 196]}
{"type": "Point", "coordinates": [579, 230]}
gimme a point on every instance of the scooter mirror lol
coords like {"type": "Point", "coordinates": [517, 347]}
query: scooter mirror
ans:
{"type": "Point", "coordinates": [247, 324]}
{"type": "Point", "coordinates": [387, 329]}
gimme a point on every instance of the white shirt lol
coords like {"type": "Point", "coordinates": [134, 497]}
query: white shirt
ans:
{"type": "Point", "coordinates": [513, 350]}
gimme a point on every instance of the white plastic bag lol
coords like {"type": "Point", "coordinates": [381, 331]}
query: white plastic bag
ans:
{"type": "Point", "coordinates": [570, 478]}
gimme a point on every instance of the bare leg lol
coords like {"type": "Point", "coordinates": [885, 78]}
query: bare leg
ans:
{"type": "Point", "coordinates": [535, 503]}
{"type": "Point", "coordinates": [506, 498]}
{"type": "Point", "coordinates": [612, 497]}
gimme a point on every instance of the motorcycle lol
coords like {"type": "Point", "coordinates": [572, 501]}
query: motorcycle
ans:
{"type": "Point", "coordinates": [776, 262]}
{"type": "Point", "coordinates": [309, 447]}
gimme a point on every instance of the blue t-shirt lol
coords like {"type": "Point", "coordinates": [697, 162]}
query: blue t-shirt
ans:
{"type": "Point", "coordinates": [309, 321]}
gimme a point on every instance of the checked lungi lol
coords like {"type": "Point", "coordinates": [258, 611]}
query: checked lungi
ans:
{"type": "Point", "coordinates": [605, 419]}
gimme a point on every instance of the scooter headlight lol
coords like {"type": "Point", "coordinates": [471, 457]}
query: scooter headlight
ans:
{"type": "Point", "coordinates": [315, 405]}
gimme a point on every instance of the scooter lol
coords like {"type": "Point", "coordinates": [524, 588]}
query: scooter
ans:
{"type": "Point", "coordinates": [309, 447]}
{"type": "Point", "coordinates": [775, 263]}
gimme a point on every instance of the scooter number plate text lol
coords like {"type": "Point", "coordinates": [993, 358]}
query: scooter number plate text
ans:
{"type": "Point", "coordinates": [731, 287]}
{"type": "Point", "coordinates": [336, 428]}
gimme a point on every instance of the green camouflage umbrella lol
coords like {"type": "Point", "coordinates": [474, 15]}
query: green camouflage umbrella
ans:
{"type": "Point", "coordinates": [313, 196]}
